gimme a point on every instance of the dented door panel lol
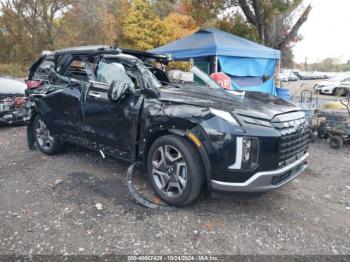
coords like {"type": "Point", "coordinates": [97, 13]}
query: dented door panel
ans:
{"type": "Point", "coordinates": [62, 111]}
{"type": "Point", "coordinates": [111, 127]}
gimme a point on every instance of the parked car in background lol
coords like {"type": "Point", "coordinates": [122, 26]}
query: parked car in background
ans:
{"type": "Point", "coordinates": [290, 75]}
{"type": "Point", "coordinates": [283, 77]}
{"type": "Point", "coordinates": [308, 75]}
{"type": "Point", "coordinates": [343, 89]}
{"type": "Point", "coordinates": [319, 75]}
{"type": "Point", "coordinates": [304, 75]}
{"type": "Point", "coordinates": [333, 86]}
{"type": "Point", "coordinates": [189, 137]}
{"type": "Point", "coordinates": [14, 106]}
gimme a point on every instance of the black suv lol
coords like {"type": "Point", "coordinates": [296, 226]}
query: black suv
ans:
{"type": "Point", "coordinates": [190, 137]}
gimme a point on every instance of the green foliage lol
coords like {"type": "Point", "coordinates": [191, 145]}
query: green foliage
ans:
{"type": "Point", "coordinates": [164, 7]}
{"type": "Point", "coordinates": [27, 27]}
{"type": "Point", "coordinates": [87, 23]}
{"type": "Point", "coordinates": [142, 27]}
{"type": "Point", "coordinates": [15, 70]}
{"type": "Point", "coordinates": [204, 12]}
{"type": "Point", "coordinates": [287, 59]}
{"type": "Point", "coordinates": [237, 25]}
{"type": "Point", "coordinates": [177, 26]}
{"type": "Point", "coordinates": [183, 66]}
{"type": "Point", "coordinates": [275, 8]}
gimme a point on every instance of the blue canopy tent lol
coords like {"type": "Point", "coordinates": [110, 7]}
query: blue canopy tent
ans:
{"type": "Point", "coordinates": [250, 65]}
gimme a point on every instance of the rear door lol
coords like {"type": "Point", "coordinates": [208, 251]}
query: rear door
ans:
{"type": "Point", "coordinates": [65, 106]}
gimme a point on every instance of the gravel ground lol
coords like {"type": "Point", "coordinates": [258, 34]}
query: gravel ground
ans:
{"type": "Point", "coordinates": [78, 203]}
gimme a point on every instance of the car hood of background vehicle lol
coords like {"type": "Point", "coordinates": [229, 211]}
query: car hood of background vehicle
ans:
{"type": "Point", "coordinates": [254, 104]}
{"type": "Point", "coordinates": [329, 83]}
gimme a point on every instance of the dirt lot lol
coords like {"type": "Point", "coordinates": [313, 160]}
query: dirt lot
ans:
{"type": "Point", "coordinates": [48, 206]}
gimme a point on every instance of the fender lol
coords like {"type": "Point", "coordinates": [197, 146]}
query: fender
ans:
{"type": "Point", "coordinates": [183, 133]}
{"type": "Point", "coordinates": [205, 160]}
{"type": "Point", "coordinates": [201, 149]}
{"type": "Point", "coordinates": [30, 127]}
{"type": "Point", "coordinates": [30, 131]}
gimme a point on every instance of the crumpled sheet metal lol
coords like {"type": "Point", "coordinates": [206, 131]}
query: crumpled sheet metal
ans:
{"type": "Point", "coordinates": [14, 109]}
{"type": "Point", "coordinates": [141, 199]}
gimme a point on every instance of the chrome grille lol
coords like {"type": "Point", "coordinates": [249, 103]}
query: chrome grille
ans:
{"type": "Point", "coordinates": [295, 136]}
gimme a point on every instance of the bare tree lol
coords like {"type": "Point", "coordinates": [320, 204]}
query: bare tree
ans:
{"type": "Point", "coordinates": [273, 19]}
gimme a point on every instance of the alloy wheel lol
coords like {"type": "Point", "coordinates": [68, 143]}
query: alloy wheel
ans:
{"type": "Point", "coordinates": [42, 134]}
{"type": "Point", "coordinates": [169, 171]}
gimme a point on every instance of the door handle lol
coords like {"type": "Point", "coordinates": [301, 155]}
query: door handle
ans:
{"type": "Point", "coordinates": [95, 94]}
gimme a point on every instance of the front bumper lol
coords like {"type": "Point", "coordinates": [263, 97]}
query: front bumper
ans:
{"type": "Point", "coordinates": [264, 181]}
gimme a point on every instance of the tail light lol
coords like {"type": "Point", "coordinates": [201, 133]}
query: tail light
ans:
{"type": "Point", "coordinates": [32, 84]}
{"type": "Point", "coordinates": [19, 101]}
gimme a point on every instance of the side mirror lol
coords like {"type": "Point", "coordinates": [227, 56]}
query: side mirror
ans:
{"type": "Point", "coordinates": [118, 90]}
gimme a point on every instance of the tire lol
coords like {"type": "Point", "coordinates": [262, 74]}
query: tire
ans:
{"type": "Point", "coordinates": [346, 92]}
{"type": "Point", "coordinates": [175, 170]}
{"type": "Point", "coordinates": [313, 137]}
{"type": "Point", "coordinates": [322, 132]}
{"type": "Point", "coordinates": [336, 142]}
{"type": "Point", "coordinates": [338, 92]}
{"type": "Point", "coordinates": [49, 145]}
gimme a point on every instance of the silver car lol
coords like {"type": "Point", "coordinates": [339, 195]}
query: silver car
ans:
{"type": "Point", "coordinates": [14, 105]}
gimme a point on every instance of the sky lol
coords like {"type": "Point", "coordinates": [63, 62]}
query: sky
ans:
{"type": "Point", "coordinates": [326, 33]}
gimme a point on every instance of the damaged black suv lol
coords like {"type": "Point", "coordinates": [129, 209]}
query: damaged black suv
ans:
{"type": "Point", "coordinates": [189, 137]}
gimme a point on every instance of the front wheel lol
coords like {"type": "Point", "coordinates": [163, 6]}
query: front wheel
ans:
{"type": "Point", "coordinates": [322, 132]}
{"type": "Point", "coordinates": [336, 142]}
{"type": "Point", "coordinates": [175, 170]}
{"type": "Point", "coordinates": [48, 144]}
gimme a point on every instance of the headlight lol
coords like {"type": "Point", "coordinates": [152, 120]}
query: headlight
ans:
{"type": "Point", "coordinates": [247, 153]}
{"type": "Point", "coordinates": [224, 115]}
{"type": "Point", "coordinates": [250, 152]}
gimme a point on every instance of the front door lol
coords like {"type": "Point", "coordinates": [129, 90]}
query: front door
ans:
{"type": "Point", "coordinates": [112, 127]}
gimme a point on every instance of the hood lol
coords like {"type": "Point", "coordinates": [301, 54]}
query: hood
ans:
{"type": "Point", "coordinates": [328, 83]}
{"type": "Point", "coordinates": [10, 86]}
{"type": "Point", "coordinates": [254, 104]}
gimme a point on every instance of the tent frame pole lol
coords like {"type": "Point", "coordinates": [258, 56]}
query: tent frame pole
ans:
{"type": "Point", "coordinates": [216, 63]}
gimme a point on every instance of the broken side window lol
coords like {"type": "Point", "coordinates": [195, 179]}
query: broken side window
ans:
{"type": "Point", "coordinates": [76, 70]}
{"type": "Point", "coordinates": [43, 70]}
{"type": "Point", "coordinates": [60, 61]}
{"type": "Point", "coordinates": [109, 72]}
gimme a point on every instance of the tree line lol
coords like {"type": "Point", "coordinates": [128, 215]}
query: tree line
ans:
{"type": "Point", "coordinates": [27, 27]}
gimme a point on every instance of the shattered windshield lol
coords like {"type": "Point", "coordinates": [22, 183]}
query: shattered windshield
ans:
{"type": "Point", "coordinates": [150, 80]}
{"type": "Point", "coordinates": [205, 78]}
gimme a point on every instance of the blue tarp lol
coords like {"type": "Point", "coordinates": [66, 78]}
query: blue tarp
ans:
{"type": "Point", "coordinates": [242, 66]}
{"type": "Point", "coordinates": [238, 57]}
{"type": "Point", "coordinates": [213, 42]}
{"type": "Point", "coordinates": [267, 87]}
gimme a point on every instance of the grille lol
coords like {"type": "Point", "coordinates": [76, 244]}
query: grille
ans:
{"type": "Point", "coordinates": [295, 137]}
{"type": "Point", "coordinates": [276, 180]}
{"type": "Point", "coordinates": [279, 179]}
